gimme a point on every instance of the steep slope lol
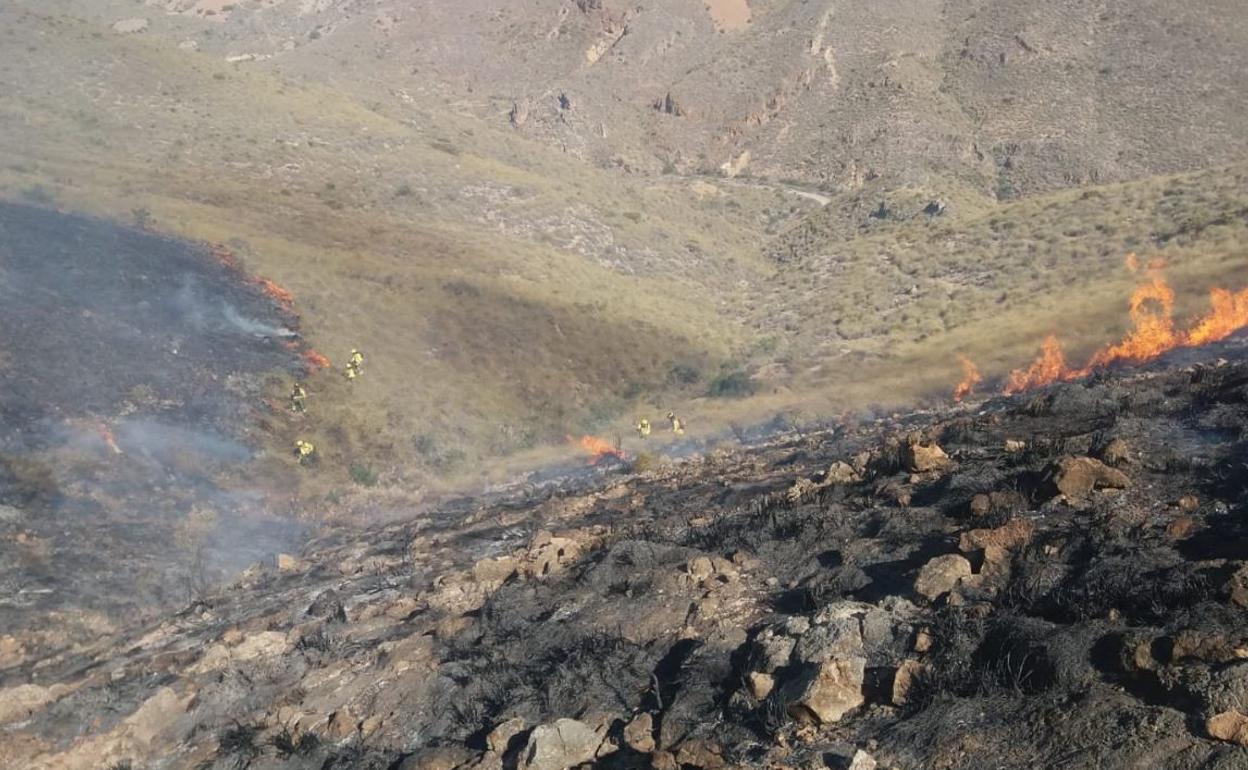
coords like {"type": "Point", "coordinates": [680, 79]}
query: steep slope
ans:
{"type": "Point", "coordinates": [1008, 97]}
{"type": "Point", "coordinates": [433, 242]}
{"type": "Point", "coordinates": [1013, 604]}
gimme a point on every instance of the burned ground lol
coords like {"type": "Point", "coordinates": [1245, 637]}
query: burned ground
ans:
{"type": "Point", "coordinates": [132, 366]}
{"type": "Point", "coordinates": [1063, 586]}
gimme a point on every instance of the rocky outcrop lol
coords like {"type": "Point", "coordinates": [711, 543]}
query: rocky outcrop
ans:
{"type": "Point", "coordinates": [560, 745]}
{"type": "Point", "coordinates": [1077, 477]}
{"type": "Point", "coordinates": [941, 575]}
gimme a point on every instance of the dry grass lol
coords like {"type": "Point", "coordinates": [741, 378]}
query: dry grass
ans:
{"type": "Point", "coordinates": [507, 294]}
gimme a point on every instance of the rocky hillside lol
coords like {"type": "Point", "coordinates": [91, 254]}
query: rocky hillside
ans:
{"type": "Point", "coordinates": [1009, 97]}
{"type": "Point", "coordinates": [1053, 580]}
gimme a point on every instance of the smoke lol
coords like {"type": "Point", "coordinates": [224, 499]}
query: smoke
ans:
{"type": "Point", "coordinates": [161, 442]}
{"type": "Point", "coordinates": [252, 327]}
{"type": "Point", "coordinates": [220, 316]}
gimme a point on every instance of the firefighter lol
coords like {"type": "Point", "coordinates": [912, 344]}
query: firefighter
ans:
{"type": "Point", "coordinates": [643, 428]}
{"type": "Point", "coordinates": [678, 425]}
{"type": "Point", "coordinates": [304, 451]}
{"type": "Point", "coordinates": [354, 363]}
{"type": "Point", "coordinates": [298, 398]}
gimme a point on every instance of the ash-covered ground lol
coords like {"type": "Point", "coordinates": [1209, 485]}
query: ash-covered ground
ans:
{"type": "Point", "coordinates": [131, 366]}
{"type": "Point", "coordinates": [1057, 580]}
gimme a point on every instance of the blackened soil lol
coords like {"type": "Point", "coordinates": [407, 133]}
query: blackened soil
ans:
{"type": "Point", "coordinates": [110, 333]}
{"type": "Point", "coordinates": [681, 615]}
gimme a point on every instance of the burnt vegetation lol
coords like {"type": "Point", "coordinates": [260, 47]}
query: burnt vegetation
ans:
{"type": "Point", "coordinates": [1061, 576]}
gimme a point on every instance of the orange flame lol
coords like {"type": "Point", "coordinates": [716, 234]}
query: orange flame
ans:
{"type": "Point", "coordinates": [1153, 332]}
{"type": "Point", "coordinates": [970, 378]}
{"type": "Point", "coordinates": [1228, 314]}
{"type": "Point", "coordinates": [598, 448]}
{"type": "Point", "coordinates": [1152, 316]}
{"type": "Point", "coordinates": [226, 257]}
{"type": "Point", "coordinates": [281, 296]}
{"type": "Point", "coordinates": [1049, 366]}
{"type": "Point", "coordinates": [315, 359]}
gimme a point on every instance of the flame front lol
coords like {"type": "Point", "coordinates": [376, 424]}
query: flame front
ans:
{"type": "Point", "coordinates": [282, 297]}
{"type": "Point", "coordinates": [315, 359]}
{"type": "Point", "coordinates": [1153, 332]}
{"type": "Point", "coordinates": [598, 448]}
{"type": "Point", "coordinates": [1152, 319]}
{"type": "Point", "coordinates": [1228, 315]}
{"type": "Point", "coordinates": [1049, 366]}
{"type": "Point", "coordinates": [970, 378]}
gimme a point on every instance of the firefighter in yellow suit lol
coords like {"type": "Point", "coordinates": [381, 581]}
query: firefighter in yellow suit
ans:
{"type": "Point", "coordinates": [353, 364]}
{"type": "Point", "coordinates": [678, 425]}
{"type": "Point", "coordinates": [643, 428]}
{"type": "Point", "coordinates": [304, 451]}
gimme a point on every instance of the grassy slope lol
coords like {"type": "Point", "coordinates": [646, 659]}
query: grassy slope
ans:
{"type": "Point", "coordinates": [992, 279]}
{"type": "Point", "coordinates": [507, 294]}
{"type": "Point", "coordinates": [413, 238]}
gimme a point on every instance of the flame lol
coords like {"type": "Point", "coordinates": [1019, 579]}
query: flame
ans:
{"type": "Point", "coordinates": [229, 260]}
{"type": "Point", "coordinates": [1049, 366]}
{"type": "Point", "coordinates": [1153, 333]}
{"type": "Point", "coordinates": [1152, 316]}
{"type": "Point", "coordinates": [281, 296]}
{"type": "Point", "coordinates": [1228, 314]}
{"type": "Point", "coordinates": [226, 258]}
{"type": "Point", "coordinates": [970, 378]}
{"type": "Point", "coordinates": [315, 359]}
{"type": "Point", "coordinates": [598, 448]}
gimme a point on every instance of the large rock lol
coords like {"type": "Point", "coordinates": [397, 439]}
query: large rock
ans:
{"type": "Point", "coordinates": [1076, 477]}
{"type": "Point", "coordinates": [773, 650]}
{"type": "Point", "coordinates": [501, 736]}
{"type": "Point", "coordinates": [837, 633]}
{"type": "Point", "coordinates": [1230, 726]}
{"type": "Point", "coordinates": [920, 457]}
{"type": "Point", "coordinates": [862, 761]}
{"type": "Point", "coordinates": [760, 684]}
{"type": "Point", "coordinates": [639, 734]}
{"type": "Point", "coordinates": [1013, 534]}
{"type": "Point", "coordinates": [841, 472]}
{"type": "Point", "coordinates": [941, 575]}
{"type": "Point", "coordinates": [906, 677]}
{"type": "Point", "coordinates": [559, 745]}
{"type": "Point", "coordinates": [822, 693]}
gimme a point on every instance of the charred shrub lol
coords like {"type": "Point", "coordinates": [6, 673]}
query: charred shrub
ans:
{"type": "Point", "coordinates": [288, 743]}
{"type": "Point", "coordinates": [238, 740]}
{"type": "Point", "coordinates": [735, 384]}
{"type": "Point", "coordinates": [25, 482]}
{"type": "Point", "coordinates": [1133, 584]}
{"type": "Point", "coordinates": [977, 657]}
{"type": "Point", "coordinates": [591, 671]}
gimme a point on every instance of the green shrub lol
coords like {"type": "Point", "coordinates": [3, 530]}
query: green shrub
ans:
{"type": "Point", "coordinates": [363, 475]}
{"type": "Point", "coordinates": [736, 384]}
{"type": "Point", "coordinates": [683, 374]}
